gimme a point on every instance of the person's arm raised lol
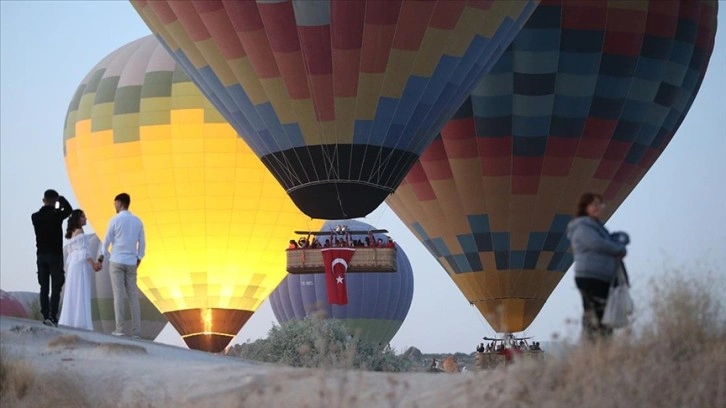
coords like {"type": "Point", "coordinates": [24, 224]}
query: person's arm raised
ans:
{"type": "Point", "coordinates": [65, 207]}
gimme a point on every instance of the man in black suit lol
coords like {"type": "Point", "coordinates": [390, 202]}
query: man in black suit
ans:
{"type": "Point", "coordinates": [48, 225]}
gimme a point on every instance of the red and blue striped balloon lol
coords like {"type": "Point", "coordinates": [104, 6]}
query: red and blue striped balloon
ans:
{"type": "Point", "coordinates": [584, 100]}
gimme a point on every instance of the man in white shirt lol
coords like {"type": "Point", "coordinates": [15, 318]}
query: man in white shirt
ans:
{"type": "Point", "coordinates": [125, 234]}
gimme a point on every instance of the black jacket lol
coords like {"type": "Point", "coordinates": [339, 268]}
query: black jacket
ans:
{"type": "Point", "coordinates": [48, 224]}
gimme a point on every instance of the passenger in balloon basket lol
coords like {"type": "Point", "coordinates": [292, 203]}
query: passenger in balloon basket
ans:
{"type": "Point", "coordinates": [598, 255]}
{"type": "Point", "coordinates": [125, 234]}
{"type": "Point", "coordinates": [509, 352]}
{"type": "Point", "coordinates": [48, 226]}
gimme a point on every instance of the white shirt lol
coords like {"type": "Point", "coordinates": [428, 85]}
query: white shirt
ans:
{"type": "Point", "coordinates": [125, 234]}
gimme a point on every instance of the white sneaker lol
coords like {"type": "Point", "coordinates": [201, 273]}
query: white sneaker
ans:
{"type": "Point", "coordinates": [136, 337]}
{"type": "Point", "coordinates": [118, 334]}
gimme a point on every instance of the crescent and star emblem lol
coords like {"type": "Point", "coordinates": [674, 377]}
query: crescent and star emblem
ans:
{"type": "Point", "coordinates": [336, 261]}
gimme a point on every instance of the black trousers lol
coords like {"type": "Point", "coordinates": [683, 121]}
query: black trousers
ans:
{"type": "Point", "coordinates": [594, 294]}
{"type": "Point", "coordinates": [51, 277]}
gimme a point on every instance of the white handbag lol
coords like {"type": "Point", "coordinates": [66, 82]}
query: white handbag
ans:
{"type": "Point", "coordinates": [619, 305]}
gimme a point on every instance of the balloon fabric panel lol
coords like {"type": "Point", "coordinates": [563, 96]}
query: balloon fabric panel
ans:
{"type": "Point", "coordinates": [338, 98]}
{"type": "Point", "coordinates": [102, 312]}
{"type": "Point", "coordinates": [585, 99]}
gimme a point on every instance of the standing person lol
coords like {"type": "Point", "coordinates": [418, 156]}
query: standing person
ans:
{"type": "Point", "coordinates": [597, 257]}
{"type": "Point", "coordinates": [48, 225]}
{"type": "Point", "coordinates": [125, 234]}
{"type": "Point", "coordinates": [80, 264]}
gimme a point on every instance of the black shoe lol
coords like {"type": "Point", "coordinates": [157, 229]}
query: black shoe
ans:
{"type": "Point", "coordinates": [49, 322]}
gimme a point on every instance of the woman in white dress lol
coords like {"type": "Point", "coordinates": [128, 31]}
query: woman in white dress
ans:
{"type": "Point", "coordinates": [76, 310]}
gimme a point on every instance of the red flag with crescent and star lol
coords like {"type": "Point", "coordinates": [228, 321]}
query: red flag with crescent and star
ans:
{"type": "Point", "coordinates": [336, 262]}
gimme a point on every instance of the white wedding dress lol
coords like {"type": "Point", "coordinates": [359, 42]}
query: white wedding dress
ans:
{"type": "Point", "coordinates": [76, 309]}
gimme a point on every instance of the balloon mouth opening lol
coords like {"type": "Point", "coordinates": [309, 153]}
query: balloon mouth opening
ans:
{"type": "Point", "coordinates": [338, 200]}
{"type": "Point", "coordinates": [209, 342]}
{"type": "Point", "coordinates": [208, 329]}
{"type": "Point", "coordinates": [339, 181]}
{"type": "Point", "coordinates": [509, 315]}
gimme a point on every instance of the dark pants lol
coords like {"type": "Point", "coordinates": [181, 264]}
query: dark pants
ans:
{"type": "Point", "coordinates": [50, 277]}
{"type": "Point", "coordinates": [594, 297]}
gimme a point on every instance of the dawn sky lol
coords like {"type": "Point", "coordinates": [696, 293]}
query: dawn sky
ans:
{"type": "Point", "coordinates": [675, 216]}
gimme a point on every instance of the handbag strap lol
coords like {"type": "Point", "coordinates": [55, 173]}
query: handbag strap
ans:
{"type": "Point", "coordinates": [621, 276]}
{"type": "Point", "coordinates": [624, 273]}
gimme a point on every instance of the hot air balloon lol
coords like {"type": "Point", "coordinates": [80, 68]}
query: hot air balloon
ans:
{"type": "Point", "coordinates": [585, 99]}
{"type": "Point", "coordinates": [9, 306]}
{"type": "Point", "coordinates": [30, 302]}
{"type": "Point", "coordinates": [378, 302]}
{"type": "Point", "coordinates": [216, 221]}
{"type": "Point", "coordinates": [338, 98]}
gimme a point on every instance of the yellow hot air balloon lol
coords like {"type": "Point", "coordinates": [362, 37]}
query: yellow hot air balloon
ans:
{"type": "Point", "coordinates": [216, 221]}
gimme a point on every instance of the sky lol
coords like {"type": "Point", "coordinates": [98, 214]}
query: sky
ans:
{"type": "Point", "coordinates": [675, 216]}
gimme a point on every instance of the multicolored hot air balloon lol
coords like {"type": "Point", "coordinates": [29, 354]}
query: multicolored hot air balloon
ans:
{"type": "Point", "coordinates": [338, 98]}
{"type": "Point", "coordinates": [585, 99]}
{"type": "Point", "coordinates": [378, 302]}
{"type": "Point", "coordinates": [216, 221]}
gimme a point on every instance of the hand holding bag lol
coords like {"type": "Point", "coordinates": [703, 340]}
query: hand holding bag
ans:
{"type": "Point", "coordinates": [619, 305]}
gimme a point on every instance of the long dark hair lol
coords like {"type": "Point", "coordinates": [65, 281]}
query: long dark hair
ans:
{"type": "Point", "coordinates": [585, 200]}
{"type": "Point", "coordinates": [73, 222]}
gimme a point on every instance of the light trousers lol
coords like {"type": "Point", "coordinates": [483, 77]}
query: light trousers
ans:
{"type": "Point", "coordinates": [123, 284]}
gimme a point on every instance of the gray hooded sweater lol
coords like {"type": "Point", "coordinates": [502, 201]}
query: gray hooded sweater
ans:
{"type": "Point", "coordinates": [596, 255]}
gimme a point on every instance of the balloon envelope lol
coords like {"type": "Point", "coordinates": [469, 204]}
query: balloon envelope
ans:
{"type": "Point", "coordinates": [216, 221]}
{"type": "Point", "coordinates": [30, 302]}
{"type": "Point", "coordinates": [584, 100]}
{"type": "Point", "coordinates": [378, 302]}
{"type": "Point", "coordinates": [338, 98]}
{"type": "Point", "coordinates": [9, 306]}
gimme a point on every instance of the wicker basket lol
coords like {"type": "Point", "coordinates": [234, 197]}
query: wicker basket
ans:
{"type": "Point", "coordinates": [302, 261]}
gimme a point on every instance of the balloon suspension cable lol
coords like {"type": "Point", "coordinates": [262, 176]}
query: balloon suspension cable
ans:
{"type": "Point", "coordinates": [380, 217]}
{"type": "Point", "coordinates": [482, 319]}
{"type": "Point", "coordinates": [340, 202]}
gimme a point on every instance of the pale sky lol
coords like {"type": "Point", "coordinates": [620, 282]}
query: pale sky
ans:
{"type": "Point", "coordinates": [675, 216]}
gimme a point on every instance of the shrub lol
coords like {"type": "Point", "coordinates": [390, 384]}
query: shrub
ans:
{"type": "Point", "coordinates": [322, 343]}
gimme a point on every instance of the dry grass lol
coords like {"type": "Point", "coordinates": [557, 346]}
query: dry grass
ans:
{"type": "Point", "coordinates": [16, 376]}
{"type": "Point", "coordinates": [73, 341]}
{"type": "Point", "coordinates": [22, 385]}
{"type": "Point", "coordinates": [676, 359]}
{"type": "Point", "coordinates": [116, 349]}
{"type": "Point", "coordinates": [69, 342]}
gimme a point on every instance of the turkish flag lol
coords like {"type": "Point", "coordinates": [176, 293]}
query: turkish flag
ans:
{"type": "Point", "coordinates": [336, 262]}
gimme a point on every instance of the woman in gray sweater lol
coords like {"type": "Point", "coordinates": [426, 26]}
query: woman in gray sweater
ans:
{"type": "Point", "coordinates": [597, 258]}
